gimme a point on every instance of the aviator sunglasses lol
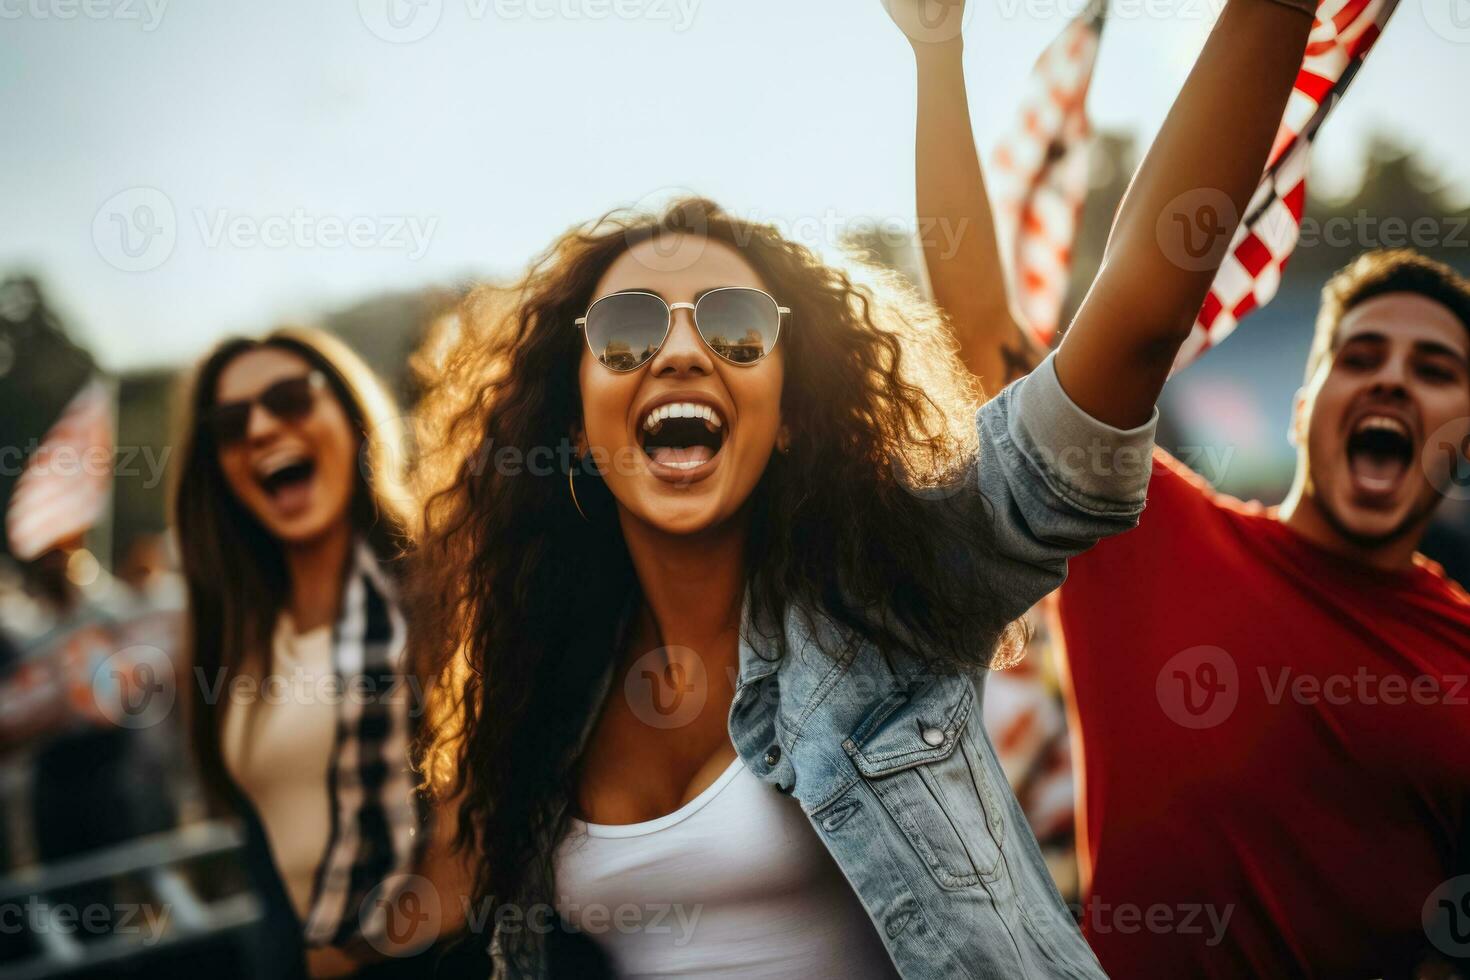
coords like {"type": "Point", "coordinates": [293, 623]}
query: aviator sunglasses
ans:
{"type": "Point", "coordinates": [289, 400]}
{"type": "Point", "coordinates": [739, 323]}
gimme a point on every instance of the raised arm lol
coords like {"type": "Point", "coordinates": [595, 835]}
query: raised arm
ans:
{"type": "Point", "coordinates": [956, 229]}
{"type": "Point", "coordinates": [1181, 210]}
{"type": "Point", "coordinates": [1171, 231]}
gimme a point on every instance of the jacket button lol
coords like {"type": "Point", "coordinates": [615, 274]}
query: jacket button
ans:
{"type": "Point", "coordinates": [773, 755]}
{"type": "Point", "coordinates": [933, 737]}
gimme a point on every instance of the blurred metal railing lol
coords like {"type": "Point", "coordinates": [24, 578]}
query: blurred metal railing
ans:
{"type": "Point", "coordinates": [153, 862]}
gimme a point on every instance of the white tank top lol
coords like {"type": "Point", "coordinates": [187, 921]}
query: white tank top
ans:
{"type": "Point", "coordinates": [277, 745]}
{"type": "Point", "coordinates": [734, 883]}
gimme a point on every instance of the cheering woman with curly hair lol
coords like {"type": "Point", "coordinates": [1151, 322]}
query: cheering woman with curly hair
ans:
{"type": "Point", "coordinates": [730, 550]}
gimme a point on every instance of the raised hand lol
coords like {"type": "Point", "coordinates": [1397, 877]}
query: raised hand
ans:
{"type": "Point", "coordinates": [956, 228]}
{"type": "Point", "coordinates": [928, 22]}
{"type": "Point", "coordinates": [1200, 173]}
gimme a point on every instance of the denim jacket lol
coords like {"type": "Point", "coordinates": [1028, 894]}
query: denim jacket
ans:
{"type": "Point", "coordinates": [890, 761]}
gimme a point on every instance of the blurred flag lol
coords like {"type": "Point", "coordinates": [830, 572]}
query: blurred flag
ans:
{"type": "Point", "coordinates": [1341, 38]}
{"type": "Point", "coordinates": [1026, 723]}
{"type": "Point", "coordinates": [66, 482]}
{"type": "Point", "coordinates": [1039, 174]}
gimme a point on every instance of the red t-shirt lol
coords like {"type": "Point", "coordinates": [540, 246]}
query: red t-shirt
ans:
{"type": "Point", "coordinates": [1269, 732]}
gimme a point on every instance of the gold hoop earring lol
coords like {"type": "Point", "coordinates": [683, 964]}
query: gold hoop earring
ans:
{"type": "Point", "coordinates": [572, 486]}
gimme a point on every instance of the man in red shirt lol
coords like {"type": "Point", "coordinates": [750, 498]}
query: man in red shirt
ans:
{"type": "Point", "coordinates": [1275, 723]}
{"type": "Point", "coordinates": [1273, 703]}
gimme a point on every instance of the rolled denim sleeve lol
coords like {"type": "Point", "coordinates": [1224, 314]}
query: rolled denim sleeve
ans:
{"type": "Point", "coordinates": [1057, 481]}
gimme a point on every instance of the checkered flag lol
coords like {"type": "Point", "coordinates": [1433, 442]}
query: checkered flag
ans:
{"type": "Point", "coordinates": [1039, 174]}
{"type": "Point", "coordinates": [1251, 273]}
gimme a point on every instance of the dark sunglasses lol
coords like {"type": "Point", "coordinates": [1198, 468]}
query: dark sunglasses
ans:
{"type": "Point", "coordinates": [290, 400]}
{"type": "Point", "coordinates": [738, 323]}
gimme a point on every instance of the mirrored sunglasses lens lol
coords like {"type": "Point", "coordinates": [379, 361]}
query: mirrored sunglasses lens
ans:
{"type": "Point", "coordinates": [738, 324]}
{"type": "Point", "coordinates": [626, 329]}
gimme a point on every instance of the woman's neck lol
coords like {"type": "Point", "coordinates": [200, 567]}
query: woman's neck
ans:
{"type": "Point", "coordinates": [315, 569]}
{"type": "Point", "coordinates": [693, 587]}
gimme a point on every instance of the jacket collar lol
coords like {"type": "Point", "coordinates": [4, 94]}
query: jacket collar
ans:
{"type": "Point", "coordinates": [759, 643]}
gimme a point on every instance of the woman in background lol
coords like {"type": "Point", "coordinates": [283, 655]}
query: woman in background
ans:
{"type": "Point", "coordinates": [291, 524]}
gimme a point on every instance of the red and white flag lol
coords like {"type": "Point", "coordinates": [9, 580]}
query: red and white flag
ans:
{"type": "Point", "coordinates": [1341, 38]}
{"type": "Point", "coordinates": [1038, 177]}
{"type": "Point", "coordinates": [1028, 727]}
{"type": "Point", "coordinates": [65, 486]}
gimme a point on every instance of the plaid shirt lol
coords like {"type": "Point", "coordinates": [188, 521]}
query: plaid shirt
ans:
{"type": "Point", "coordinates": [376, 823]}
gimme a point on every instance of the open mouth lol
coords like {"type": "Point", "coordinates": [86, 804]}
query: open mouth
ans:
{"type": "Point", "coordinates": [1380, 451]}
{"type": "Point", "coordinates": [287, 481]}
{"type": "Point", "coordinates": [682, 435]}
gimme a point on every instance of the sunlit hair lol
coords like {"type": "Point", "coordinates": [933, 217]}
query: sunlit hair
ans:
{"type": "Point", "coordinates": [1379, 273]}
{"type": "Point", "coordinates": [522, 599]}
{"type": "Point", "coordinates": [234, 570]}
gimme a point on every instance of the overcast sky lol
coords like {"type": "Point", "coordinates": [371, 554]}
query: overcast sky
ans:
{"type": "Point", "coordinates": [292, 156]}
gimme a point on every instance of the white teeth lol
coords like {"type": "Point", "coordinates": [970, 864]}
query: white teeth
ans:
{"type": "Point", "coordinates": [1382, 422]}
{"type": "Point", "coordinates": [682, 410]}
{"type": "Point", "coordinates": [275, 462]}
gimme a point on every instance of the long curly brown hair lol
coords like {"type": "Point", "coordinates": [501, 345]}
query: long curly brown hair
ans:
{"type": "Point", "coordinates": [521, 597]}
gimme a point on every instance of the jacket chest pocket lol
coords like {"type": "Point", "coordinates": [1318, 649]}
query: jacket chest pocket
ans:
{"type": "Point", "coordinates": [916, 754]}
